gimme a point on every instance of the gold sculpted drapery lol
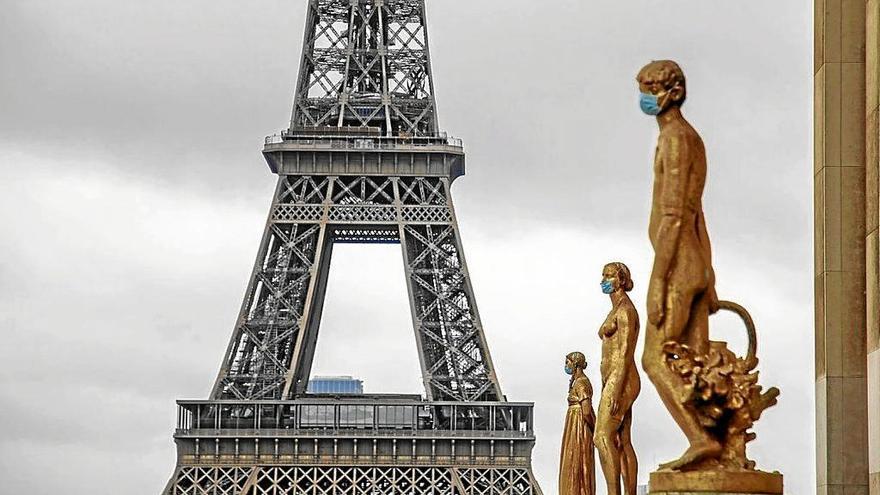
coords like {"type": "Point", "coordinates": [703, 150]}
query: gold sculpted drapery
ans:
{"type": "Point", "coordinates": [577, 475]}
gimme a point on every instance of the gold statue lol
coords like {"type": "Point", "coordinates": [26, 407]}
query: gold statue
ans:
{"type": "Point", "coordinates": [712, 394]}
{"type": "Point", "coordinates": [577, 473]}
{"type": "Point", "coordinates": [620, 383]}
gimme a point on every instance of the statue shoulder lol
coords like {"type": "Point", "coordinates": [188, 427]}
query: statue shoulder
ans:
{"type": "Point", "coordinates": [682, 133]}
{"type": "Point", "coordinates": [582, 384]}
{"type": "Point", "coordinates": [630, 313]}
{"type": "Point", "coordinates": [624, 314]}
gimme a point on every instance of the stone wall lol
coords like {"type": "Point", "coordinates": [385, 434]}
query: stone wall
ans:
{"type": "Point", "coordinates": [872, 214]}
{"type": "Point", "coordinates": [841, 230]}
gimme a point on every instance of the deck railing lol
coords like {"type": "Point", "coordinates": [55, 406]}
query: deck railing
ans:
{"type": "Point", "coordinates": [362, 142]}
{"type": "Point", "coordinates": [336, 415]}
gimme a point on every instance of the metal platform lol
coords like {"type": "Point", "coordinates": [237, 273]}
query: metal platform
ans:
{"type": "Point", "coordinates": [289, 154]}
{"type": "Point", "coordinates": [353, 445]}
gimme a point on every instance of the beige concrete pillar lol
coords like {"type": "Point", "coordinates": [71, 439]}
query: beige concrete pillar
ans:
{"type": "Point", "coordinates": [839, 174]}
{"type": "Point", "coordinates": [872, 246]}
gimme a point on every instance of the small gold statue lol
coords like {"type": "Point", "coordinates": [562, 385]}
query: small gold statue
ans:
{"type": "Point", "coordinates": [620, 383]}
{"type": "Point", "coordinates": [577, 473]}
{"type": "Point", "coordinates": [711, 393]}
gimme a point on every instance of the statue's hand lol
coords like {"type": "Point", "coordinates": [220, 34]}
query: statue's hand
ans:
{"type": "Point", "coordinates": [713, 300]}
{"type": "Point", "coordinates": [615, 407]}
{"type": "Point", "coordinates": [656, 297]}
{"type": "Point", "coordinates": [588, 418]}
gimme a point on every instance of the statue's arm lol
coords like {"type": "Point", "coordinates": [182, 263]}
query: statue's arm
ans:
{"type": "Point", "coordinates": [586, 402]}
{"type": "Point", "coordinates": [676, 167]}
{"type": "Point", "coordinates": [587, 414]}
{"type": "Point", "coordinates": [707, 251]}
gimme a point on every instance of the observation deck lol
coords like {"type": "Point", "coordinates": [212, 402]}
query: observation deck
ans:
{"type": "Point", "coordinates": [362, 151]}
{"type": "Point", "coordinates": [350, 430]}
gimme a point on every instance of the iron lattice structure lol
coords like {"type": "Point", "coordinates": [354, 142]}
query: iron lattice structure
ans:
{"type": "Point", "coordinates": [357, 446]}
{"type": "Point", "coordinates": [362, 162]}
{"type": "Point", "coordinates": [352, 479]}
{"type": "Point", "coordinates": [270, 354]}
{"type": "Point", "coordinates": [366, 64]}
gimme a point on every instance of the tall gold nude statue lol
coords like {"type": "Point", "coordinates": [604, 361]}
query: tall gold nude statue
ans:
{"type": "Point", "coordinates": [577, 473]}
{"type": "Point", "coordinates": [711, 393]}
{"type": "Point", "coordinates": [620, 383]}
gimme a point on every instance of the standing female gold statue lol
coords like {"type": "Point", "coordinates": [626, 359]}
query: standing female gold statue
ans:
{"type": "Point", "coordinates": [577, 474]}
{"type": "Point", "coordinates": [620, 382]}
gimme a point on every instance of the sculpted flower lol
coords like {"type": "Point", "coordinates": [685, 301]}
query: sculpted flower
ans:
{"type": "Point", "coordinates": [722, 388]}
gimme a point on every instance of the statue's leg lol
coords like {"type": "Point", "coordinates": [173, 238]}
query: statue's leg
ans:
{"type": "Point", "coordinates": [629, 464]}
{"type": "Point", "coordinates": [669, 385]}
{"type": "Point", "coordinates": [608, 445]}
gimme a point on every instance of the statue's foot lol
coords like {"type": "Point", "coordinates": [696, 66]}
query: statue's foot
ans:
{"type": "Point", "coordinates": [696, 453]}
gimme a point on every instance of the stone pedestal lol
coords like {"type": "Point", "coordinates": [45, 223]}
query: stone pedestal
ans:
{"type": "Point", "coordinates": [715, 483]}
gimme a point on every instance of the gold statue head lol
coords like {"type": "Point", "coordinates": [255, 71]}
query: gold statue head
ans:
{"type": "Point", "coordinates": [575, 361]}
{"type": "Point", "coordinates": [662, 82]}
{"type": "Point", "coordinates": [615, 276]}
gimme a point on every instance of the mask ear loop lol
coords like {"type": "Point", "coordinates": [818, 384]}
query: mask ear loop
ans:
{"type": "Point", "coordinates": [666, 93]}
{"type": "Point", "coordinates": [661, 101]}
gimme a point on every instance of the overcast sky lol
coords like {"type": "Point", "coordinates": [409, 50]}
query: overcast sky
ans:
{"type": "Point", "coordinates": [133, 196]}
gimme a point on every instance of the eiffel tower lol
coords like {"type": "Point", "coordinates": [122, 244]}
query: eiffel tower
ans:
{"type": "Point", "coordinates": [363, 161]}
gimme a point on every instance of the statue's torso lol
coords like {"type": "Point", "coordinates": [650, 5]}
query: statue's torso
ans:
{"type": "Point", "coordinates": [615, 335]}
{"type": "Point", "coordinates": [680, 151]}
{"type": "Point", "coordinates": [580, 389]}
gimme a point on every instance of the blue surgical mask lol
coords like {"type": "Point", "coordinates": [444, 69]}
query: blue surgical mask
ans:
{"type": "Point", "coordinates": [607, 287]}
{"type": "Point", "coordinates": [649, 103]}
{"type": "Point", "coordinates": [568, 370]}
